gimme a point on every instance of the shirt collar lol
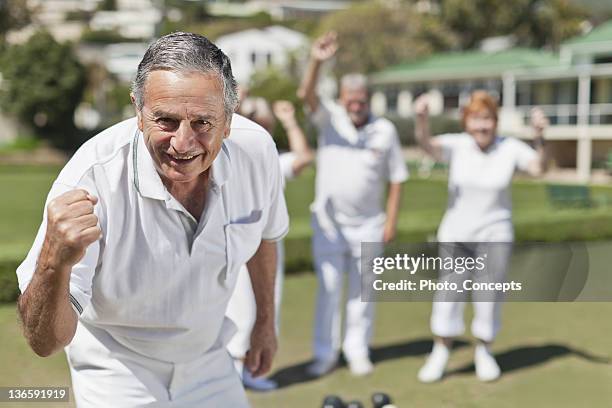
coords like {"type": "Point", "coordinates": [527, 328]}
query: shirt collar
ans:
{"type": "Point", "coordinates": [491, 148]}
{"type": "Point", "coordinates": [221, 167]}
{"type": "Point", "coordinates": [147, 180]}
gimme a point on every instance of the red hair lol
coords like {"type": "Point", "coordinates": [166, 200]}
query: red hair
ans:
{"type": "Point", "coordinates": [480, 101]}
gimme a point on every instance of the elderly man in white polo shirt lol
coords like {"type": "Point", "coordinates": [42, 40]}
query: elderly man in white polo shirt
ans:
{"type": "Point", "coordinates": [358, 154]}
{"type": "Point", "coordinates": [143, 235]}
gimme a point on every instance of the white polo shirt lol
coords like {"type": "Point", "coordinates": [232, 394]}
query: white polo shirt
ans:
{"type": "Point", "coordinates": [286, 160]}
{"type": "Point", "coordinates": [154, 288]}
{"type": "Point", "coordinates": [479, 200]}
{"type": "Point", "coordinates": [354, 165]}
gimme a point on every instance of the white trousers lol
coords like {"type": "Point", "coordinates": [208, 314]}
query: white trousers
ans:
{"type": "Point", "coordinates": [336, 253]}
{"type": "Point", "coordinates": [242, 308]}
{"type": "Point", "coordinates": [107, 374]}
{"type": "Point", "coordinates": [448, 306]}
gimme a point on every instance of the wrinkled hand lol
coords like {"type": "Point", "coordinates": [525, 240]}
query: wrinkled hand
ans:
{"type": "Point", "coordinates": [71, 226]}
{"type": "Point", "coordinates": [324, 47]}
{"type": "Point", "coordinates": [421, 106]}
{"type": "Point", "coordinates": [539, 121]}
{"type": "Point", "coordinates": [263, 348]}
{"type": "Point", "coordinates": [284, 111]}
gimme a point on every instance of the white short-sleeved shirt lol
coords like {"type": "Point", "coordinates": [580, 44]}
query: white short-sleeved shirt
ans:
{"type": "Point", "coordinates": [354, 165]}
{"type": "Point", "coordinates": [479, 200]}
{"type": "Point", "coordinates": [286, 160]}
{"type": "Point", "coordinates": [145, 282]}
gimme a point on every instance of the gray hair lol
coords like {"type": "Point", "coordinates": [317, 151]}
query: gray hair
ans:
{"type": "Point", "coordinates": [354, 81]}
{"type": "Point", "coordinates": [187, 52]}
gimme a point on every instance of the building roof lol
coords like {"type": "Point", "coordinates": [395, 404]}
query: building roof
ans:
{"type": "Point", "coordinates": [466, 65]}
{"type": "Point", "coordinates": [601, 33]}
{"type": "Point", "coordinates": [273, 36]}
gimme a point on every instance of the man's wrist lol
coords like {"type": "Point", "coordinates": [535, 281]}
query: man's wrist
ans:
{"type": "Point", "coordinates": [315, 62]}
{"type": "Point", "coordinates": [264, 319]}
{"type": "Point", "coordinates": [289, 124]}
{"type": "Point", "coordinates": [51, 262]}
{"type": "Point", "coordinates": [539, 141]}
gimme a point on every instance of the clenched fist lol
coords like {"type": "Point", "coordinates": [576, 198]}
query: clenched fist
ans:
{"type": "Point", "coordinates": [421, 106]}
{"type": "Point", "coordinates": [71, 227]}
{"type": "Point", "coordinates": [324, 47]}
{"type": "Point", "coordinates": [284, 111]}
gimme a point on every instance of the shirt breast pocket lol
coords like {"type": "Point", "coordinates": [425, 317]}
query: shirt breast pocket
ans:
{"type": "Point", "coordinates": [243, 237]}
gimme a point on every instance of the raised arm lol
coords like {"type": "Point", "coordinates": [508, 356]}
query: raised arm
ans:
{"type": "Point", "coordinates": [285, 112]}
{"type": "Point", "coordinates": [539, 123]}
{"type": "Point", "coordinates": [422, 132]}
{"type": "Point", "coordinates": [322, 49]}
{"type": "Point", "coordinates": [49, 322]}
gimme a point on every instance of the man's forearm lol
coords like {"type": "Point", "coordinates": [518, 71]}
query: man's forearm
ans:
{"type": "Point", "coordinates": [49, 322]}
{"type": "Point", "coordinates": [422, 134]}
{"type": "Point", "coordinates": [307, 89]}
{"type": "Point", "coordinates": [393, 202]}
{"type": "Point", "coordinates": [262, 270]}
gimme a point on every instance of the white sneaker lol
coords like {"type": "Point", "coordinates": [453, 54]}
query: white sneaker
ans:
{"type": "Point", "coordinates": [319, 367]}
{"type": "Point", "coordinates": [259, 383]}
{"type": "Point", "coordinates": [434, 366]}
{"type": "Point", "coordinates": [361, 366]}
{"type": "Point", "coordinates": [486, 366]}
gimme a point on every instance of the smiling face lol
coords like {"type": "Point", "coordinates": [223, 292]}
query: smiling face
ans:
{"type": "Point", "coordinates": [482, 126]}
{"type": "Point", "coordinates": [184, 124]}
{"type": "Point", "coordinates": [480, 118]}
{"type": "Point", "coordinates": [355, 101]}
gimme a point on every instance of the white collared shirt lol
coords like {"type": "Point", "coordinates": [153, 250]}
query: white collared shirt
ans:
{"type": "Point", "coordinates": [354, 165]}
{"type": "Point", "coordinates": [144, 282]}
{"type": "Point", "coordinates": [479, 201]}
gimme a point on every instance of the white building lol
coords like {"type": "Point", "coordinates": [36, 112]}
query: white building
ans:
{"type": "Point", "coordinates": [137, 24]}
{"type": "Point", "coordinates": [122, 59]}
{"type": "Point", "coordinates": [257, 49]}
{"type": "Point", "coordinates": [574, 88]}
{"type": "Point", "coordinates": [281, 9]}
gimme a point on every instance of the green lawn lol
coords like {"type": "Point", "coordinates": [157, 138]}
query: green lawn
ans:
{"type": "Point", "coordinates": [423, 204]}
{"type": "Point", "coordinates": [553, 355]}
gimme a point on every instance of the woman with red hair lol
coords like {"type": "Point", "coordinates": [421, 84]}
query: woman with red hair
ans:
{"type": "Point", "coordinates": [477, 221]}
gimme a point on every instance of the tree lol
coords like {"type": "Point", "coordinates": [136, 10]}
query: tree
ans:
{"type": "Point", "coordinates": [192, 11]}
{"type": "Point", "coordinates": [534, 23]}
{"type": "Point", "coordinates": [13, 14]}
{"type": "Point", "coordinates": [107, 5]}
{"type": "Point", "coordinates": [273, 84]}
{"type": "Point", "coordinates": [373, 35]}
{"type": "Point", "coordinates": [551, 23]}
{"type": "Point", "coordinates": [42, 84]}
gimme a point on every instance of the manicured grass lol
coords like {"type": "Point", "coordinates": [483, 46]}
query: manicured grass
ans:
{"type": "Point", "coordinates": [553, 355]}
{"type": "Point", "coordinates": [423, 204]}
{"type": "Point", "coordinates": [24, 189]}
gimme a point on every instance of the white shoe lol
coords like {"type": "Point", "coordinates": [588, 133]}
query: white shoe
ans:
{"type": "Point", "coordinates": [257, 384]}
{"type": "Point", "coordinates": [361, 366]}
{"type": "Point", "coordinates": [434, 366]}
{"type": "Point", "coordinates": [319, 368]}
{"type": "Point", "coordinates": [486, 366]}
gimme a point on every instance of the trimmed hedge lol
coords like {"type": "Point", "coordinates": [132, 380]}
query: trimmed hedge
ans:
{"type": "Point", "coordinates": [438, 126]}
{"type": "Point", "coordinates": [298, 257]}
{"type": "Point", "coordinates": [9, 290]}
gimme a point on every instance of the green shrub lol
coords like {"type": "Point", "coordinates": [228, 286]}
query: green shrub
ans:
{"type": "Point", "coordinates": [104, 37]}
{"type": "Point", "coordinates": [9, 289]}
{"type": "Point", "coordinates": [438, 125]}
